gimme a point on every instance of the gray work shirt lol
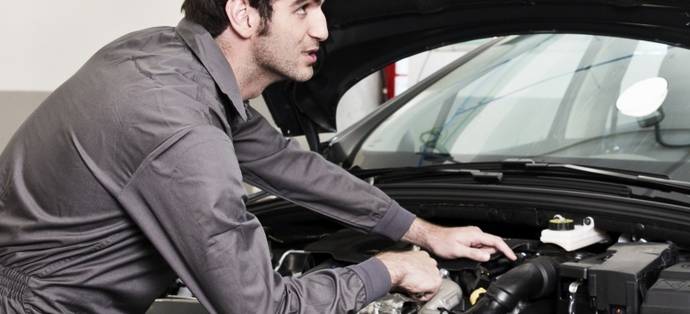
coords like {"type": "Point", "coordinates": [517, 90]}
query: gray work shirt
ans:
{"type": "Point", "coordinates": [130, 174]}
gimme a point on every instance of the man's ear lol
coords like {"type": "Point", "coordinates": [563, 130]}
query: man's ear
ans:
{"type": "Point", "coordinates": [244, 19]}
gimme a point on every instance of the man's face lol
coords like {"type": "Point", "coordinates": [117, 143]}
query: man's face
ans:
{"type": "Point", "coordinates": [288, 48]}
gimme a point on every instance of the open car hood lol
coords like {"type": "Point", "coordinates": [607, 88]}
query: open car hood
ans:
{"type": "Point", "coordinates": [367, 35]}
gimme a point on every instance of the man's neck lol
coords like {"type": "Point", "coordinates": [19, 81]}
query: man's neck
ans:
{"type": "Point", "coordinates": [251, 78]}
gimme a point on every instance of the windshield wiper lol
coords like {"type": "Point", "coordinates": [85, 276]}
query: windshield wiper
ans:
{"type": "Point", "coordinates": [495, 172]}
{"type": "Point", "coordinates": [660, 183]}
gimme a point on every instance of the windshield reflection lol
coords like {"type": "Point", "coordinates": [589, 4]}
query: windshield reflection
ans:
{"type": "Point", "coordinates": [548, 97]}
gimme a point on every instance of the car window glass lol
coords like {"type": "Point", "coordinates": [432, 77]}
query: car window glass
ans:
{"type": "Point", "coordinates": [541, 96]}
{"type": "Point", "coordinates": [480, 112]}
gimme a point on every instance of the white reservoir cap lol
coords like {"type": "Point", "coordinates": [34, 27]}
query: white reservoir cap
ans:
{"type": "Point", "coordinates": [582, 236]}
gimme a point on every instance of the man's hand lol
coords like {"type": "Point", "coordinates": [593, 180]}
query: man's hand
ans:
{"type": "Point", "coordinates": [470, 242]}
{"type": "Point", "coordinates": [414, 272]}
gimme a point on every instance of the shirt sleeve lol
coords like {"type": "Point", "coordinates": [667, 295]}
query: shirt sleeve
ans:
{"type": "Point", "coordinates": [279, 166]}
{"type": "Point", "coordinates": [187, 199]}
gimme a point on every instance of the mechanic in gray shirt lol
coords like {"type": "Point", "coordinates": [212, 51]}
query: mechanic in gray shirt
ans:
{"type": "Point", "coordinates": [130, 174]}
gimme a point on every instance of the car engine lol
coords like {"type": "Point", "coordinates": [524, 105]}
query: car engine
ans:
{"type": "Point", "coordinates": [577, 270]}
{"type": "Point", "coordinates": [617, 276]}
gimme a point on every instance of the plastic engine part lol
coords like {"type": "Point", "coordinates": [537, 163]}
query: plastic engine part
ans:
{"type": "Point", "coordinates": [619, 279]}
{"type": "Point", "coordinates": [577, 238]}
{"type": "Point", "coordinates": [671, 292]}
{"type": "Point", "coordinates": [448, 297]}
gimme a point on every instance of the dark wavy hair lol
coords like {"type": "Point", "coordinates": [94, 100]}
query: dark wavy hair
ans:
{"type": "Point", "coordinates": [211, 13]}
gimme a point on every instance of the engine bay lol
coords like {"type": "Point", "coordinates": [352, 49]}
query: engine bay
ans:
{"type": "Point", "coordinates": [618, 275]}
{"type": "Point", "coordinates": [573, 268]}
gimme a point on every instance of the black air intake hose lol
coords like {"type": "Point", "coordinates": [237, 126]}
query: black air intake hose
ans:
{"type": "Point", "coordinates": [535, 278]}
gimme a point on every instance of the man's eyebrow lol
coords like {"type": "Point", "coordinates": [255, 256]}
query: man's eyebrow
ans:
{"type": "Point", "coordinates": [298, 3]}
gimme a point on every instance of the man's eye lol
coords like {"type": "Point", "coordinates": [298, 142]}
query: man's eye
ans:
{"type": "Point", "coordinates": [302, 10]}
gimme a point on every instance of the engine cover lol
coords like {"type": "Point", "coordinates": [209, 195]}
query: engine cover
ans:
{"type": "Point", "coordinates": [617, 280]}
{"type": "Point", "coordinates": [671, 293]}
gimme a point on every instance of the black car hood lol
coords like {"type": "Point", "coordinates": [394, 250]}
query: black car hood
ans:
{"type": "Point", "coordinates": [366, 35]}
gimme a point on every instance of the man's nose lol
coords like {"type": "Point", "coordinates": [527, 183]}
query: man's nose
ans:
{"type": "Point", "coordinates": [319, 28]}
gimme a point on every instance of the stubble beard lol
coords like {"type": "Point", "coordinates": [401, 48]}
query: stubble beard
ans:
{"type": "Point", "coordinates": [272, 58]}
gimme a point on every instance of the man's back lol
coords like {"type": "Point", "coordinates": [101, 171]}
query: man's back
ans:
{"type": "Point", "coordinates": [63, 232]}
{"type": "Point", "coordinates": [134, 167]}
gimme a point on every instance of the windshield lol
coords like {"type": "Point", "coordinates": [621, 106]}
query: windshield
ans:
{"type": "Point", "coordinates": [549, 97]}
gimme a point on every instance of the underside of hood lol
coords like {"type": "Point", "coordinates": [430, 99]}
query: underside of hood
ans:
{"type": "Point", "coordinates": [367, 35]}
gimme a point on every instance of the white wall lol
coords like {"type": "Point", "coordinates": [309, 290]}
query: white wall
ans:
{"type": "Point", "coordinates": [45, 42]}
{"type": "Point", "coordinates": [359, 100]}
{"type": "Point", "coordinates": [424, 64]}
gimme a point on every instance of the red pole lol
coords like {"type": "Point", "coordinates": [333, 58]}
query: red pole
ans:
{"type": "Point", "coordinates": [389, 75]}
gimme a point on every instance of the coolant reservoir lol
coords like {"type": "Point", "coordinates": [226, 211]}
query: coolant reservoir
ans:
{"type": "Point", "coordinates": [564, 233]}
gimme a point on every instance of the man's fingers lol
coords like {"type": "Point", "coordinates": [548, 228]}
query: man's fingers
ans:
{"type": "Point", "coordinates": [476, 254]}
{"type": "Point", "coordinates": [507, 251]}
{"type": "Point", "coordinates": [470, 242]}
{"type": "Point", "coordinates": [414, 272]}
{"type": "Point", "coordinates": [499, 244]}
{"type": "Point", "coordinates": [489, 249]}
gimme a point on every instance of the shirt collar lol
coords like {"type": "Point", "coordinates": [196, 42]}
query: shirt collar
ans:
{"type": "Point", "coordinates": [213, 59]}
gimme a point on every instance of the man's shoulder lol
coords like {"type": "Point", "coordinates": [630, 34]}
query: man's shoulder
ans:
{"type": "Point", "coordinates": [151, 39]}
{"type": "Point", "coordinates": [148, 78]}
{"type": "Point", "coordinates": [147, 56]}
{"type": "Point", "coordinates": [149, 66]}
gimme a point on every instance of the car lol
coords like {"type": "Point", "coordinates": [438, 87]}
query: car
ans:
{"type": "Point", "coordinates": [566, 133]}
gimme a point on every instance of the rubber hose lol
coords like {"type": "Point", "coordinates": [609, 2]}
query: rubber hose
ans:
{"type": "Point", "coordinates": [535, 278]}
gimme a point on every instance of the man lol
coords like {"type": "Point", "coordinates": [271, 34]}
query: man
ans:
{"type": "Point", "coordinates": [130, 174]}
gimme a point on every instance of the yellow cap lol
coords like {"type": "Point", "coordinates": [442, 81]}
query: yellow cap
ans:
{"type": "Point", "coordinates": [474, 296]}
{"type": "Point", "coordinates": [560, 220]}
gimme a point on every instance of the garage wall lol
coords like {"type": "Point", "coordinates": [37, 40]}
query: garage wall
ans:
{"type": "Point", "coordinates": [44, 42]}
{"type": "Point", "coordinates": [14, 108]}
{"type": "Point", "coordinates": [49, 40]}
